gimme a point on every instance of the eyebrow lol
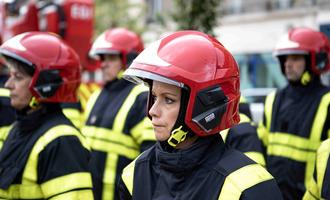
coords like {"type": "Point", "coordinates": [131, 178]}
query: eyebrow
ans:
{"type": "Point", "coordinates": [167, 93]}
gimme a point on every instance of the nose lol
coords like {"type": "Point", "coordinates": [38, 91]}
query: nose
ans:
{"type": "Point", "coordinates": [154, 110]}
{"type": "Point", "coordinates": [9, 83]}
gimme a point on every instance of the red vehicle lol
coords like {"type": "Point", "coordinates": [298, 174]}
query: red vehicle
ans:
{"type": "Point", "coordinates": [73, 20]}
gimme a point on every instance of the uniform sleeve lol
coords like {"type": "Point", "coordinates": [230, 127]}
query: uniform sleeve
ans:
{"type": "Point", "coordinates": [63, 170]}
{"type": "Point", "coordinates": [264, 190]}
{"type": "Point", "coordinates": [141, 127]}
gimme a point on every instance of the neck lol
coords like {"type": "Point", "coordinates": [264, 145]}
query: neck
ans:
{"type": "Point", "coordinates": [186, 143]}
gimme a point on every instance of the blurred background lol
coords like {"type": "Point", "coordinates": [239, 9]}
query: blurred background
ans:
{"type": "Point", "coordinates": [248, 28]}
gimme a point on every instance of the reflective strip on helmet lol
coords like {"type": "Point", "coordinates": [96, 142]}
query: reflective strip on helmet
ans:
{"type": "Point", "coordinates": [143, 131]}
{"type": "Point", "coordinates": [105, 140]}
{"type": "Point", "coordinates": [30, 171]}
{"type": "Point", "coordinates": [256, 157]}
{"type": "Point", "coordinates": [121, 117]}
{"type": "Point", "coordinates": [4, 92]}
{"type": "Point", "coordinates": [137, 76]}
{"type": "Point", "coordinates": [235, 185]}
{"type": "Point", "coordinates": [66, 183]}
{"type": "Point", "coordinates": [128, 176]}
{"type": "Point", "coordinates": [150, 56]}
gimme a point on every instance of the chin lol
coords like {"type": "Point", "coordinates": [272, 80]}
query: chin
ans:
{"type": "Point", "coordinates": [161, 136]}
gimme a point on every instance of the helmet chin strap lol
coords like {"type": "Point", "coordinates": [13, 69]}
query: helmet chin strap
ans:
{"type": "Point", "coordinates": [305, 78]}
{"type": "Point", "coordinates": [33, 103]}
{"type": "Point", "coordinates": [177, 136]}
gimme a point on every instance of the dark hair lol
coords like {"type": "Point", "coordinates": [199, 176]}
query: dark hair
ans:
{"type": "Point", "coordinates": [20, 65]}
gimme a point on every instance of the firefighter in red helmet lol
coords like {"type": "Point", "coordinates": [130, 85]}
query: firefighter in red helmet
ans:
{"type": "Point", "coordinates": [194, 94]}
{"type": "Point", "coordinates": [44, 155]}
{"type": "Point", "coordinates": [297, 117]}
{"type": "Point", "coordinates": [116, 126]}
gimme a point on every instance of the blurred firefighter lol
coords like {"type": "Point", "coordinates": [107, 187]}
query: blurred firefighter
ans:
{"type": "Point", "coordinates": [44, 155]}
{"type": "Point", "coordinates": [296, 118]}
{"type": "Point", "coordinates": [116, 124]}
{"type": "Point", "coordinates": [7, 115]}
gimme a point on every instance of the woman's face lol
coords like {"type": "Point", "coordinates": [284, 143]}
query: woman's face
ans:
{"type": "Point", "coordinates": [18, 84]}
{"type": "Point", "coordinates": [165, 109]}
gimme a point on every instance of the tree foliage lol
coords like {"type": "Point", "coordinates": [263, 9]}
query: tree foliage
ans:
{"type": "Point", "coordinates": [196, 14]}
{"type": "Point", "coordinates": [115, 13]}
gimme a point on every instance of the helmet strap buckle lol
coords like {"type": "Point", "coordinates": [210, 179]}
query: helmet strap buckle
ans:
{"type": "Point", "coordinates": [177, 136]}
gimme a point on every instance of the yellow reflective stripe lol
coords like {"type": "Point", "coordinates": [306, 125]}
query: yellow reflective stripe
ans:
{"type": "Point", "coordinates": [242, 99]}
{"type": "Point", "coordinates": [292, 153]}
{"type": "Point", "coordinates": [119, 121]}
{"type": "Point", "coordinates": [320, 118]}
{"type": "Point", "coordinates": [4, 131]}
{"type": "Point", "coordinates": [110, 136]}
{"type": "Point", "coordinates": [295, 148]}
{"type": "Point", "coordinates": [106, 140]}
{"type": "Point", "coordinates": [4, 92]}
{"type": "Point", "coordinates": [322, 160]}
{"type": "Point", "coordinates": [242, 179]}
{"type": "Point", "coordinates": [74, 116]}
{"type": "Point", "coordinates": [244, 118]}
{"type": "Point", "coordinates": [66, 183]}
{"type": "Point", "coordinates": [143, 131]}
{"type": "Point", "coordinates": [90, 103]}
{"type": "Point", "coordinates": [128, 176]}
{"type": "Point", "coordinates": [109, 147]}
{"type": "Point", "coordinates": [30, 171]}
{"type": "Point", "coordinates": [293, 141]}
{"type": "Point", "coordinates": [109, 177]}
{"type": "Point", "coordinates": [256, 157]}
{"type": "Point", "coordinates": [75, 195]}
{"type": "Point", "coordinates": [269, 109]}
{"type": "Point", "coordinates": [224, 134]}
{"type": "Point", "coordinates": [22, 192]}
{"type": "Point", "coordinates": [309, 196]}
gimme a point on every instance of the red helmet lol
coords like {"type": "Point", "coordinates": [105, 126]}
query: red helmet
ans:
{"type": "Point", "coordinates": [117, 41]}
{"type": "Point", "coordinates": [56, 66]}
{"type": "Point", "coordinates": [305, 41]}
{"type": "Point", "coordinates": [199, 63]}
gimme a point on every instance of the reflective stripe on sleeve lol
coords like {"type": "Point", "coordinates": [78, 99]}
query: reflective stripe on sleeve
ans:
{"type": "Point", "coordinates": [234, 184]}
{"type": "Point", "coordinates": [66, 183]}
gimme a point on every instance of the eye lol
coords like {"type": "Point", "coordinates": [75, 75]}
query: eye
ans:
{"type": "Point", "coordinates": [169, 100]}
